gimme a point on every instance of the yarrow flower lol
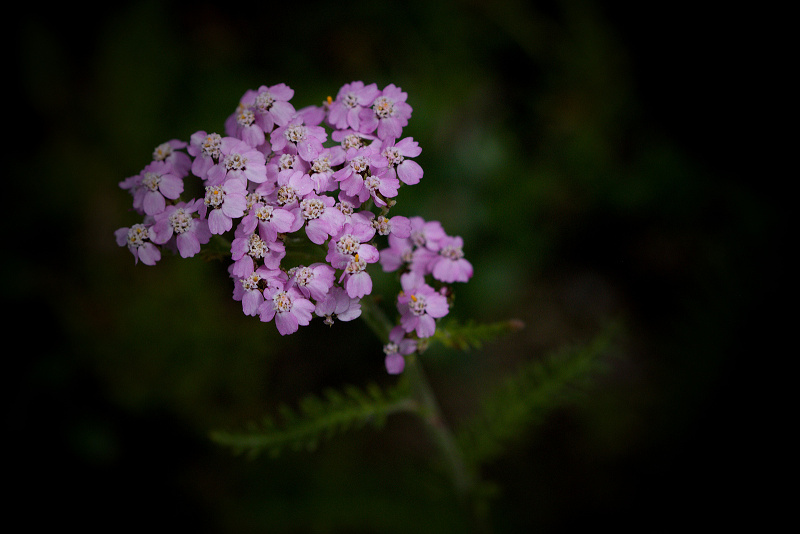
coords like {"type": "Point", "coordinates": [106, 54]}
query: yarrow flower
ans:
{"type": "Point", "coordinates": [319, 184]}
{"type": "Point", "coordinates": [399, 345]}
{"type": "Point", "coordinates": [138, 239]}
{"type": "Point", "coordinates": [179, 221]}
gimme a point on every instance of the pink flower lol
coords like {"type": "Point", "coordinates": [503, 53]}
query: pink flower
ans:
{"type": "Point", "coordinates": [398, 346]}
{"type": "Point", "coordinates": [151, 187]}
{"type": "Point", "coordinates": [298, 138]}
{"type": "Point", "coordinates": [288, 307]}
{"type": "Point", "coordinates": [426, 234]}
{"type": "Point", "coordinates": [238, 161]}
{"type": "Point", "coordinates": [247, 249]}
{"type": "Point", "coordinates": [398, 254]}
{"type": "Point", "coordinates": [397, 153]}
{"type": "Point", "coordinates": [420, 305]}
{"type": "Point", "coordinates": [138, 239]}
{"type": "Point", "coordinates": [343, 112]}
{"type": "Point", "coordinates": [250, 289]}
{"type": "Point", "coordinates": [258, 113]}
{"type": "Point", "coordinates": [389, 114]}
{"type": "Point", "coordinates": [271, 105]}
{"type": "Point", "coordinates": [170, 152]}
{"type": "Point", "coordinates": [293, 186]}
{"type": "Point", "coordinates": [178, 221]}
{"type": "Point", "coordinates": [321, 170]}
{"type": "Point", "coordinates": [242, 125]}
{"type": "Point", "coordinates": [321, 217]}
{"type": "Point", "coordinates": [314, 281]}
{"type": "Point", "coordinates": [380, 187]}
{"type": "Point", "coordinates": [449, 264]}
{"type": "Point", "coordinates": [205, 149]}
{"type": "Point", "coordinates": [398, 225]}
{"type": "Point", "coordinates": [269, 220]}
{"type": "Point", "coordinates": [352, 240]}
{"type": "Point", "coordinates": [285, 162]}
{"type": "Point", "coordinates": [360, 163]}
{"type": "Point", "coordinates": [338, 304]}
{"type": "Point", "coordinates": [225, 202]}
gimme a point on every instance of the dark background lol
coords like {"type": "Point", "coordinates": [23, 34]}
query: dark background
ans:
{"type": "Point", "coordinates": [601, 164]}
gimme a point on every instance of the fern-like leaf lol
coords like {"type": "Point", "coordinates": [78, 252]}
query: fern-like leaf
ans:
{"type": "Point", "coordinates": [472, 335]}
{"type": "Point", "coordinates": [529, 395]}
{"type": "Point", "coordinates": [318, 418]}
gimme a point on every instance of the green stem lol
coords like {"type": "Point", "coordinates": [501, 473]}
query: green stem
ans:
{"type": "Point", "coordinates": [429, 410]}
{"type": "Point", "coordinates": [431, 413]}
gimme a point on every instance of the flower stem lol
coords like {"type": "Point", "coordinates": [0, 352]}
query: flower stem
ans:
{"type": "Point", "coordinates": [430, 412]}
{"type": "Point", "coordinates": [432, 415]}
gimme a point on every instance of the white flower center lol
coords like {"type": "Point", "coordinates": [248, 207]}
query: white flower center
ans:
{"type": "Point", "coordinates": [347, 244]}
{"type": "Point", "coordinates": [137, 235]}
{"type": "Point", "coordinates": [383, 107]}
{"type": "Point", "coordinates": [215, 196]}
{"type": "Point", "coordinates": [372, 183]}
{"type": "Point", "coordinates": [286, 161]}
{"type": "Point", "coordinates": [321, 164]}
{"type": "Point", "coordinates": [452, 252]}
{"type": "Point", "coordinates": [345, 207]}
{"type": "Point", "coordinates": [350, 100]}
{"type": "Point", "coordinates": [382, 225]}
{"type": "Point", "coordinates": [286, 195]}
{"type": "Point", "coordinates": [356, 265]}
{"type": "Point", "coordinates": [282, 301]}
{"type": "Point", "coordinates": [246, 117]}
{"type": "Point", "coordinates": [391, 348]}
{"type": "Point", "coordinates": [151, 180]}
{"type": "Point", "coordinates": [295, 133]}
{"type": "Point", "coordinates": [264, 101]}
{"type": "Point", "coordinates": [251, 282]}
{"type": "Point", "coordinates": [180, 221]}
{"type": "Point", "coordinates": [211, 145]}
{"type": "Point", "coordinates": [417, 305]}
{"type": "Point", "coordinates": [162, 152]}
{"type": "Point", "coordinates": [235, 162]}
{"type": "Point", "coordinates": [352, 141]}
{"type": "Point", "coordinates": [264, 213]}
{"type": "Point", "coordinates": [393, 155]}
{"type": "Point", "coordinates": [303, 276]}
{"type": "Point", "coordinates": [418, 238]}
{"type": "Point", "coordinates": [312, 208]}
{"type": "Point", "coordinates": [257, 247]}
{"type": "Point", "coordinates": [359, 164]}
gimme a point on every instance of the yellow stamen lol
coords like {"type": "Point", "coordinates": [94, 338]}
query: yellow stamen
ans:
{"type": "Point", "coordinates": [414, 298]}
{"type": "Point", "coordinates": [356, 257]}
{"type": "Point", "coordinates": [330, 100]}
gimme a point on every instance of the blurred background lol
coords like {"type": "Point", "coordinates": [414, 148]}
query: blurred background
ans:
{"type": "Point", "coordinates": [592, 158]}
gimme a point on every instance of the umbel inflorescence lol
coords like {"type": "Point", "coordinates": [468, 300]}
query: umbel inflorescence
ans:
{"type": "Point", "coordinates": [325, 176]}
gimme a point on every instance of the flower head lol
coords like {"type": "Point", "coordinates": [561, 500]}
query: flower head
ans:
{"type": "Point", "coordinates": [399, 345]}
{"type": "Point", "coordinates": [420, 305]}
{"type": "Point", "coordinates": [138, 239]}
{"type": "Point", "coordinates": [178, 221]}
{"type": "Point", "coordinates": [343, 112]}
{"type": "Point", "coordinates": [389, 114]}
{"type": "Point", "coordinates": [151, 188]}
{"type": "Point", "coordinates": [222, 204]}
{"type": "Point", "coordinates": [238, 161]}
{"type": "Point", "coordinates": [288, 307]}
{"type": "Point", "coordinates": [299, 138]}
{"type": "Point", "coordinates": [337, 304]}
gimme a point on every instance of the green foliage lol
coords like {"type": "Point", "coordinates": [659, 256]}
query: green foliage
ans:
{"type": "Point", "coordinates": [318, 418]}
{"type": "Point", "coordinates": [528, 395]}
{"type": "Point", "coordinates": [472, 335]}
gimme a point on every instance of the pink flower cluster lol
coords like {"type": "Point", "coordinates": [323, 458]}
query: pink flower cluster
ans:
{"type": "Point", "coordinates": [323, 178]}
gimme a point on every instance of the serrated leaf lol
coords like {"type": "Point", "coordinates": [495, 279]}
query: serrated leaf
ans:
{"type": "Point", "coordinates": [318, 418]}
